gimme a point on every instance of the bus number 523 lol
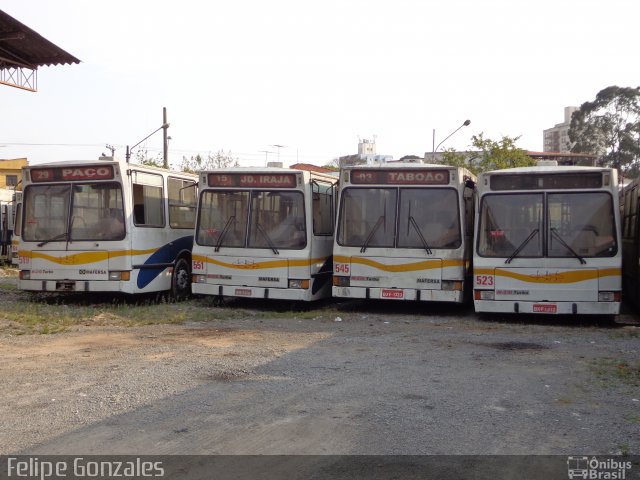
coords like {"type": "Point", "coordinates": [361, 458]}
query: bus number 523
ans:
{"type": "Point", "coordinates": [486, 280]}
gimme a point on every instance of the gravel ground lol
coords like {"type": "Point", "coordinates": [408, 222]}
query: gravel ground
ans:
{"type": "Point", "coordinates": [362, 378]}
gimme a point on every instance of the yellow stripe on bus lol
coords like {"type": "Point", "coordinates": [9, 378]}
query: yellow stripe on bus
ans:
{"type": "Point", "coordinates": [302, 262]}
{"type": "Point", "coordinates": [569, 276]}
{"type": "Point", "coordinates": [405, 267]}
{"type": "Point", "coordinates": [84, 258]}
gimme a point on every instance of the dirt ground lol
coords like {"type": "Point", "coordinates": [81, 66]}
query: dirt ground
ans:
{"type": "Point", "coordinates": [355, 378]}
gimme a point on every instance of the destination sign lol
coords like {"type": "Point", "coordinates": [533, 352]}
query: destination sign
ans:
{"type": "Point", "coordinates": [104, 172]}
{"type": "Point", "coordinates": [252, 180]}
{"type": "Point", "coordinates": [400, 177]}
{"type": "Point", "coordinates": [551, 181]}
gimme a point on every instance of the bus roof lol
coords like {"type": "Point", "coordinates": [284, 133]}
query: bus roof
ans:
{"type": "Point", "coordinates": [273, 170]}
{"type": "Point", "coordinates": [546, 169]}
{"type": "Point", "coordinates": [106, 161]}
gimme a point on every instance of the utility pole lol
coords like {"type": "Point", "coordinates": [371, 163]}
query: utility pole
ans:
{"type": "Point", "coordinates": [165, 139]}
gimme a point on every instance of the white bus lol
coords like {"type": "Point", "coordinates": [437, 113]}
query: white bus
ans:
{"type": "Point", "coordinates": [6, 229]}
{"type": "Point", "coordinates": [106, 226]}
{"type": "Point", "coordinates": [264, 233]}
{"type": "Point", "coordinates": [17, 221]}
{"type": "Point", "coordinates": [547, 241]}
{"type": "Point", "coordinates": [404, 232]}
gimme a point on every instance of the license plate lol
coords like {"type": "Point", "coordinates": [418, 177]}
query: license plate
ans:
{"type": "Point", "coordinates": [243, 292]}
{"type": "Point", "coordinates": [545, 308]}
{"type": "Point", "coordinates": [392, 293]}
{"type": "Point", "coordinates": [65, 286]}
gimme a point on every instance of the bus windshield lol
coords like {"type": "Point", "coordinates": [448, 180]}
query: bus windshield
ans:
{"type": "Point", "coordinates": [578, 224]}
{"type": "Point", "coordinates": [422, 218]}
{"type": "Point", "coordinates": [73, 212]}
{"type": "Point", "coordinates": [276, 219]}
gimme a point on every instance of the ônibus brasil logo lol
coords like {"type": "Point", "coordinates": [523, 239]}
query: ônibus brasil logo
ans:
{"type": "Point", "coordinates": [594, 468]}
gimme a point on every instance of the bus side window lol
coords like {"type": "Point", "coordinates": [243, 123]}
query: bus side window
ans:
{"type": "Point", "coordinates": [322, 208]}
{"type": "Point", "coordinates": [148, 195]}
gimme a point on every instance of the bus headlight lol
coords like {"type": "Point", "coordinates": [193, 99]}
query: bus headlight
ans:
{"type": "Point", "coordinates": [484, 295]}
{"type": "Point", "coordinates": [608, 296]}
{"type": "Point", "coordinates": [25, 274]}
{"type": "Point", "coordinates": [341, 281]}
{"type": "Point", "coordinates": [452, 285]}
{"type": "Point", "coordinates": [125, 276]}
{"type": "Point", "coordinates": [304, 284]}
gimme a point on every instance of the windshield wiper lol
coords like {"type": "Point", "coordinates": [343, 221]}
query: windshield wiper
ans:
{"type": "Point", "coordinates": [266, 236]}
{"type": "Point", "coordinates": [564, 244]}
{"type": "Point", "coordinates": [57, 237]}
{"type": "Point", "coordinates": [370, 236]}
{"type": "Point", "coordinates": [413, 222]}
{"type": "Point", "coordinates": [232, 218]}
{"type": "Point", "coordinates": [522, 245]}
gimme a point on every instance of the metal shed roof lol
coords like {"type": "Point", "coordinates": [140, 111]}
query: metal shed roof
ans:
{"type": "Point", "coordinates": [23, 50]}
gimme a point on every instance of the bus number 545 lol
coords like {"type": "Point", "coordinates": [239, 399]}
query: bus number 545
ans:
{"type": "Point", "coordinates": [341, 268]}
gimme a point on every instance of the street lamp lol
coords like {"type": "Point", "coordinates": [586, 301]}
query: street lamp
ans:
{"type": "Point", "coordinates": [465, 124]}
{"type": "Point", "coordinates": [165, 141]}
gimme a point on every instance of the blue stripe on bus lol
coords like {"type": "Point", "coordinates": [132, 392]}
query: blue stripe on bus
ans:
{"type": "Point", "coordinates": [165, 254]}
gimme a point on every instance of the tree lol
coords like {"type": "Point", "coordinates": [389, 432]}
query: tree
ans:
{"type": "Point", "coordinates": [609, 127]}
{"type": "Point", "coordinates": [334, 164]}
{"type": "Point", "coordinates": [409, 158]}
{"type": "Point", "coordinates": [143, 158]}
{"type": "Point", "coordinates": [490, 155]}
{"type": "Point", "coordinates": [220, 159]}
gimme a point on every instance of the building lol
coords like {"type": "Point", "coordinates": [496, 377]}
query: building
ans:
{"type": "Point", "coordinates": [366, 154]}
{"type": "Point", "coordinates": [556, 139]}
{"type": "Point", "coordinates": [11, 173]}
{"type": "Point", "coordinates": [565, 158]}
{"type": "Point", "coordinates": [313, 168]}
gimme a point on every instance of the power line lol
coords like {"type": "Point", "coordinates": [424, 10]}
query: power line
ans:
{"type": "Point", "coordinates": [174, 151]}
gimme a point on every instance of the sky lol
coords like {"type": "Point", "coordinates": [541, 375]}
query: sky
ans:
{"type": "Point", "coordinates": [314, 77]}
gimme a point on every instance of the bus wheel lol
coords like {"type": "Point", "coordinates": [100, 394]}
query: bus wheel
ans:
{"type": "Point", "coordinates": [181, 280]}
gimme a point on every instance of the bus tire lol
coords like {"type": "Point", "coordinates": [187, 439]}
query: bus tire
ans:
{"type": "Point", "coordinates": [181, 280]}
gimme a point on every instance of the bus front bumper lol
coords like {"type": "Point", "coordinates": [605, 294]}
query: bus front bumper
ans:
{"type": "Point", "coordinates": [455, 296]}
{"type": "Point", "coordinates": [71, 285]}
{"type": "Point", "coordinates": [547, 308]}
{"type": "Point", "coordinates": [251, 292]}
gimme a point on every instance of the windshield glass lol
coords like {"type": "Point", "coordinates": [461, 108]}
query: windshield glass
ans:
{"type": "Point", "coordinates": [277, 220]}
{"type": "Point", "coordinates": [96, 212]}
{"type": "Point", "coordinates": [222, 212]}
{"type": "Point", "coordinates": [578, 224]}
{"type": "Point", "coordinates": [46, 211]}
{"type": "Point", "coordinates": [368, 217]}
{"type": "Point", "coordinates": [432, 213]}
{"type": "Point", "coordinates": [506, 221]}
{"type": "Point", "coordinates": [585, 222]}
